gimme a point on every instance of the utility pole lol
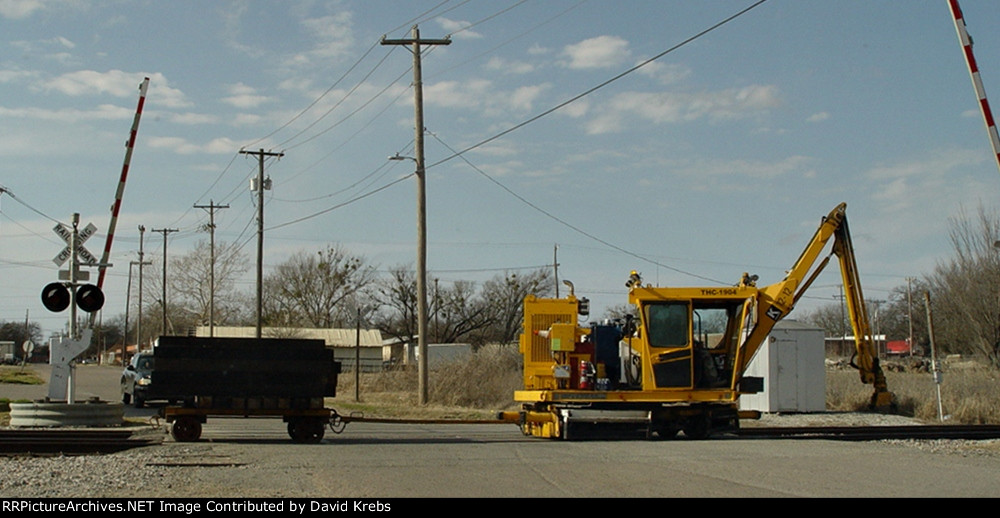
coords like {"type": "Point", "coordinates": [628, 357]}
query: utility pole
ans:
{"type": "Point", "coordinates": [555, 267]}
{"type": "Point", "coordinates": [260, 186]}
{"type": "Point", "coordinates": [163, 301]}
{"type": "Point", "coordinates": [138, 325]}
{"type": "Point", "coordinates": [418, 98]}
{"type": "Point", "coordinates": [128, 302]}
{"type": "Point", "coordinates": [211, 276]}
{"type": "Point", "coordinates": [843, 329]}
{"type": "Point", "coordinates": [909, 313]}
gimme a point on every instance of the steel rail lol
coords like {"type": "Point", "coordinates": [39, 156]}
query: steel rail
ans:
{"type": "Point", "coordinates": [869, 433]}
{"type": "Point", "coordinates": [71, 441]}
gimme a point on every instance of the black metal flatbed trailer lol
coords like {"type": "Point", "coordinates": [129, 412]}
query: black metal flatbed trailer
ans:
{"type": "Point", "coordinates": [245, 377]}
{"type": "Point", "coordinates": [305, 425]}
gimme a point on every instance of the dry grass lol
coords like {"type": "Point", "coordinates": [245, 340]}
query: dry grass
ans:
{"type": "Point", "coordinates": [20, 376]}
{"type": "Point", "coordinates": [486, 384]}
{"type": "Point", "coordinates": [474, 389]}
{"type": "Point", "coordinates": [968, 392]}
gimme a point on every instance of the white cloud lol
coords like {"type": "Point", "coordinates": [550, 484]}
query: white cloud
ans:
{"type": "Point", "coordinates": [9, 76]}
{"type": "Point", "coordinates": [18, 9]}
{"type": "Point", "coordinates": [818, 117]}
{"type": "Point", "coordinates": [757, 169]}
{"type": "Point", "coordinates": [243, 96]}
{"type": "Point", "coordinates": [576, 109]}
{"type": "Point", "coordinates": [454, 94]}
{"type": "Point", "coordinates": [509, 66]}
{"type": "Point", "coordinates": [102, 112]}
{"type": "Point", "coordinates": [190, 118]}
{"type": "Point", "coordinates": [455, 28]}
{"type": "Point", "coordinates": [183, 146]}
{"type": "Point", "coordinates": [116, 83]}
{"type": "Point", "coordinates": [665, 73]}
{"type": "Point", "coordinates": [673, 107]}
{"type": "Point", "coordinates": [524, 97]}
{"type": "Point", "coordinates": [599, 52]}
{"type": "Point", "coordinates": [332, 34]}
{"type": "Point", "coordinates": [537, 50]}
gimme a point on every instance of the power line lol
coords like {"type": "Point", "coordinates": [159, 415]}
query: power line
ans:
{"type": "Point", "coordinates": [602, 85]}
{"type": "Point", "coordinates": [565, 223]}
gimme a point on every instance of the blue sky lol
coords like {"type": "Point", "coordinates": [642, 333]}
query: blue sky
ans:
{"type": "Point", "coordinates": [718, 157]}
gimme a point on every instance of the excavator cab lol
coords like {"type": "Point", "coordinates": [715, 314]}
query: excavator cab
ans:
{"type": "Point", "coordinates": [690, 344]}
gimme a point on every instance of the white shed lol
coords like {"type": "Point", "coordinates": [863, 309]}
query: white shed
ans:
{"type": "Point", "coordinates": [791, 361]}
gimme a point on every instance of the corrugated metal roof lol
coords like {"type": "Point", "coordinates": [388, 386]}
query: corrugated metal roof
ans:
{"type": "Point", "coordinates": [332, 337]}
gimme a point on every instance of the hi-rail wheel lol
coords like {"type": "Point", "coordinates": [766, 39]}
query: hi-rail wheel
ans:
{"type": "Point", "coordinates": [697, 427]}
{"type": "Point", "coordinates": [185, 429]}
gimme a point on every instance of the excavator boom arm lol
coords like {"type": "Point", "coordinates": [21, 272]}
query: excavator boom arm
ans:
{"type": "Point", "coordinates": [777, 300]}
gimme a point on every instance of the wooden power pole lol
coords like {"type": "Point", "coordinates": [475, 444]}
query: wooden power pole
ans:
{"type": "Point", "coordinates": [260, 186]}
{"type": "Point", "coordinates": [418, 95]}
{"type": "Point", "coordinates": [211, 267]}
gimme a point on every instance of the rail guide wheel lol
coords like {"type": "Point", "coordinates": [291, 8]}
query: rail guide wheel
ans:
{"type": "Point", "coordinates": [185, 429]}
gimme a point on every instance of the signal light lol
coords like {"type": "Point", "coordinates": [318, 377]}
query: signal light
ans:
{"type": "Point", "coordinates": [55, 297]}
{"type": "Point", "coordinates": [583, 307]}
{"type": "Point", "coordinates": [89, 298]}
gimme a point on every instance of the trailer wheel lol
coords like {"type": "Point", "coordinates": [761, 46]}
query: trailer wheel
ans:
{"type": "Point", "coordinates": [306, 430]}
{"type": "Point", "coordinates": [185, 429]}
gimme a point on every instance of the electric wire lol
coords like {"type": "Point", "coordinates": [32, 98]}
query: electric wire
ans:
{"type": "Point", "coordinates": [510, 40]}
{"type": "Point", "coordinates": [348, 202]}
{"type": "Point", "coordinates": [488, 18]}
{"type": "Point", "coordinates": [566, 223]}
{"type": "Point", "coordinates": [351, 114]}
{"type": "Point", "coordinates": [599, 86]}
{"type": "Point", "coordinates": [284, 144]}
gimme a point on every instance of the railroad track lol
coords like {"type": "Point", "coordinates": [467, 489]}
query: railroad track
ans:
{"type": "Point", "coordinates": [872, 433]}
{"type": "Point", "coordinates": [88, 441]}
{"type": "Point", "coordinates": [59, 441]}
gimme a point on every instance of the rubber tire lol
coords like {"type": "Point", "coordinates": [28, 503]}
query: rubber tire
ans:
{"type": "Point", "coordinates": [185, 429]}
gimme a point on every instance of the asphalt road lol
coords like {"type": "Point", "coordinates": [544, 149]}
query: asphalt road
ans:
{"type": "Point", "coordinates": [254, 457]}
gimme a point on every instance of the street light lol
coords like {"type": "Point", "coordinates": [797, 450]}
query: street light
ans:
{"type": "Point", "coordinates": [421, 273]}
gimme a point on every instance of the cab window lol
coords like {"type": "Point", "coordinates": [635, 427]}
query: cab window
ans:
{"type": "Point", "coordinates": [667, 324]}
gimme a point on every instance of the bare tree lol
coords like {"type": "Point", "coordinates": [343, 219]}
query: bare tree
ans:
{"type": "Point", "coordinates": [397, 296]}
{"type": "Point", "coordinates": [189, 286]}
{"type": "Point", "coordinates": [620, 312]}
{"type": "Point", "coordinates": [459, 313]}
{"type": "Point", "coordinates": [505, 294]}
{"type": "Point", "coordinates": [965, 292]}
{"type": "Point", "coordinates": [311, 289]}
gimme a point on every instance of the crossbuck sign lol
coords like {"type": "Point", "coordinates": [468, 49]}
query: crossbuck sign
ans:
{"type": "Point", "coordinates": [67, 235]}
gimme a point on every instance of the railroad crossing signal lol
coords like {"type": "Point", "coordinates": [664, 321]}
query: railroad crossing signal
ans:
{"type": "Point", "coordinates": [57, 296]}
{"type": "Point", "coordinates": [89, 298]}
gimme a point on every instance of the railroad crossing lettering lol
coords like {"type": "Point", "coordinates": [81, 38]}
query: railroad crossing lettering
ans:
{"type": "Point", "coordinates": [67, 236]}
